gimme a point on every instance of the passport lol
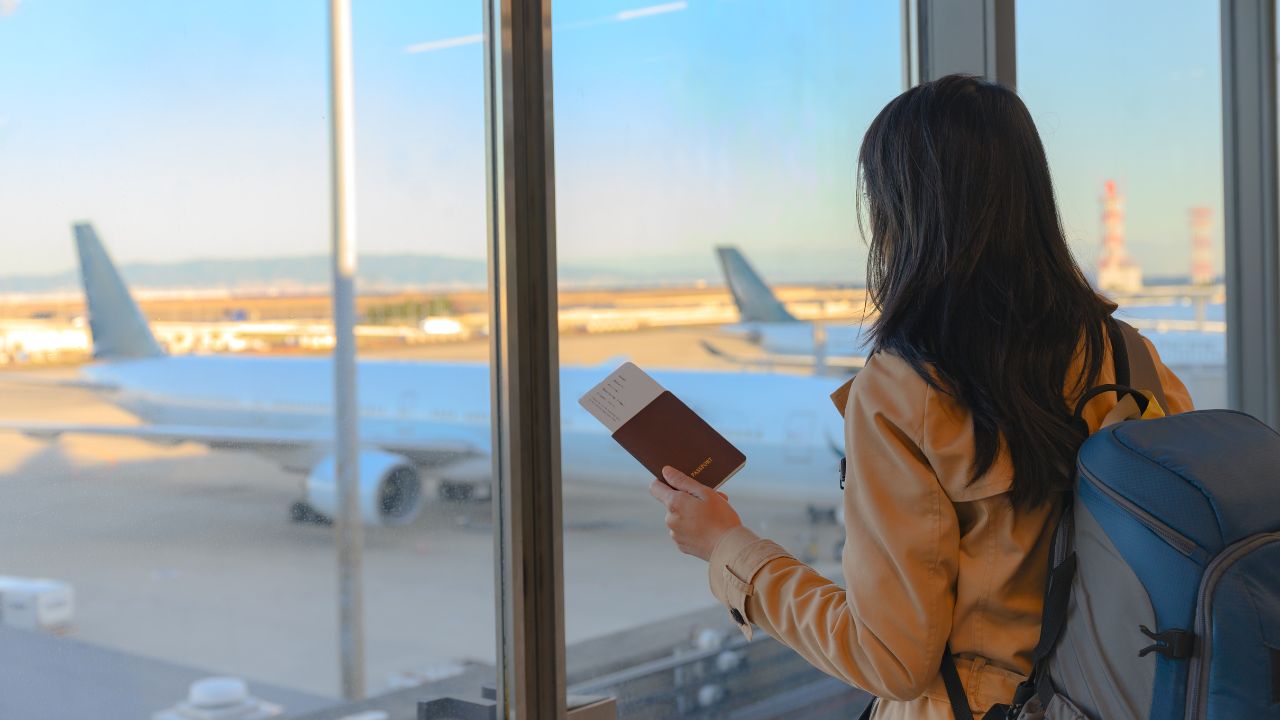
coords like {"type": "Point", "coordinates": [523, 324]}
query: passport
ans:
{"type": "Point", "coordinates": [652, 424]}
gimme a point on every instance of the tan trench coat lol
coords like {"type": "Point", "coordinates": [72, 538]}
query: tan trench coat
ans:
{"type": "Point", "coordinates": [929, 557]}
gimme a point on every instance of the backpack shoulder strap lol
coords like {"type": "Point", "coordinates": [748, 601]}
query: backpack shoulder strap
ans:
{"type": "Point", "coordinates": [955, 688]}
{"type": "Point", "coordinates": [1142, 367]}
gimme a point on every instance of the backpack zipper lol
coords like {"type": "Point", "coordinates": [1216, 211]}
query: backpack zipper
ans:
{"type": "Point", "coordinates": [1198, 672]}
{"type": "Point", "coordinates": [1180, 542]}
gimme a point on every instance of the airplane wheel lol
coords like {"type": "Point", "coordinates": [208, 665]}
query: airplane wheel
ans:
{"type": "Point", "coordinates": [302, 513]}
{"type": "Point", "coordinates": [456, 492]}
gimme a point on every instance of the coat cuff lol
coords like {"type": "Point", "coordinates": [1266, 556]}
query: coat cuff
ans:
{"type": "Point", "coordinates": [732, 569]}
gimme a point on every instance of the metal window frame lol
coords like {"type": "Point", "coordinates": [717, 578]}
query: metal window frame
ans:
{"type": "Point", "coordinates": [979, 37]}
{"type": "Point", "coordinates": [524, 358]}
{"type": "Point", "coordinates": [976, 37]}
{"type": "Point", "coordinates": [943, 37]}
{"type": "Point", "coordinates": [1250, 202]}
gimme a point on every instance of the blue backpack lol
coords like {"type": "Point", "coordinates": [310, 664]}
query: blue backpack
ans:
{"type": "Point", "coordinates": [1163, 599]}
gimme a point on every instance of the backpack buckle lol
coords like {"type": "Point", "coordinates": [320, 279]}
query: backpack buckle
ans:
{"type": "Point", "coordinates": [1023, 694]}
{"type": "Point", "coordinates": [1174, 644]}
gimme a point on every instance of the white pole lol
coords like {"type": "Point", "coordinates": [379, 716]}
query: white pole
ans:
{"type": "Point", "coordinates": [348, 530]}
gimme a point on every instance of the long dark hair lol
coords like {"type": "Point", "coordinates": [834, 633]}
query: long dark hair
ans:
{"type": "Point", "coordinates": [972, 277]}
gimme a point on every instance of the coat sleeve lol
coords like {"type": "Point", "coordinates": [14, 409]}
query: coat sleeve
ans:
{"type": "Point", "coordinates": [885, 630]}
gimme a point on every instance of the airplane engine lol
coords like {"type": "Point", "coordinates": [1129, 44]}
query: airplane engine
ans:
{"type": "Point", "coordinates": [390, 489]}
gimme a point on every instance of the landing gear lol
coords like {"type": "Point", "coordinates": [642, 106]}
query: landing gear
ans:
{"type": "Point", "coordinates": [818, 516]}
{"type": "Point", "coordinates": [301, 512]}
{"type": "Point", "coordinates": [455, 492]}
{"type": "Point", "coordinates": [462, 492]}
{"type": "Point", "coordinates": [821, 515]}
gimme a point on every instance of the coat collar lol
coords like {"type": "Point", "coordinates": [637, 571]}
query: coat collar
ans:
{"type": "Point", "coordinates": [841, 396]}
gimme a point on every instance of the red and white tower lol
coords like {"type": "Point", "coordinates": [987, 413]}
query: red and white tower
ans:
{"type": "Point", "coordinates": [1116, 270]}
{"type": "Point", "coordinates": [1201, 246]}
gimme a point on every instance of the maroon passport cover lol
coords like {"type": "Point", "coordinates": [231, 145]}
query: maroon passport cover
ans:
{"type": "Point", "coordinates": [667, 432]}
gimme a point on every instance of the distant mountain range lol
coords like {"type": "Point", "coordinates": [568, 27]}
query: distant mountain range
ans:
{"type": "Point", "coordinates": [387, 273]}
{"type": "Point", "coordinates": [377, 273]}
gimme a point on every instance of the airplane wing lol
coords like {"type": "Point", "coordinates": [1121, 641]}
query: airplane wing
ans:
{"type": "Point", "coordinates": [422, 452]}
{"type": "Point", "coordinates": [44, 380]}
{"type": "Point", "coordinates": [846, 364]}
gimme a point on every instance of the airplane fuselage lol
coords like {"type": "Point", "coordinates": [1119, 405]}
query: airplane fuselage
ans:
{"type": "Point", "coordinates": [1193, 347]}
{"type": "Point", "coordinates": [785, 424]}
{"type": "Point", "coordinates": [797, 337]}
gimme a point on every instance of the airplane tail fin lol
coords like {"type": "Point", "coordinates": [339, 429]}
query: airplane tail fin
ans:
{"type": "Point", "coordinates": [118, 327]}
{"type": "Point", "coordinates": [755, 301]}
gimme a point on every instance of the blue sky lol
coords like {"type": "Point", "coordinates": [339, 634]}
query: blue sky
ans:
{"type": "Point", "coordinates": [190, 130]}
{"type": "Point", "coordinates": [1130, 91]}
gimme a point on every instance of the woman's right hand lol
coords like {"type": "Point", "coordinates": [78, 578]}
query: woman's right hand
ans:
{"type": "Point", "coordinates": [697, 516]}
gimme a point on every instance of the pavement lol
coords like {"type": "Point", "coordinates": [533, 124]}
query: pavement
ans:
{"type": "Point", "coordinates": [186, 555]}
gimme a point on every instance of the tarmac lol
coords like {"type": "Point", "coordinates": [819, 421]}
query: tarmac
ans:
{"type": "Point", "coordinates": [187, 555]}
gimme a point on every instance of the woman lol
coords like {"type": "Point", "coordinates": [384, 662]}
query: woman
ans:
{"type": "Point", "coordinates": [958, 432]}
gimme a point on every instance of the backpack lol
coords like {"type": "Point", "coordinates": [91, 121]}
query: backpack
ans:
{"type": "Point", "coordinates": [1163, 597]}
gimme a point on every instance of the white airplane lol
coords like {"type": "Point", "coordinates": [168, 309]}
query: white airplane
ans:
{"type": "Point", "coordinates": [785, 340]}
{"type": "Point", "coordinates": [1195, 348]}
{"type": "Point", "coordinates": [419, 421]}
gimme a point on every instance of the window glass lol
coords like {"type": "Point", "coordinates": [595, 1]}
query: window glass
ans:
{"type": "Point", "coordinates": [180, 515]}
{"type": "Point", "coordinates": [684, 130]}
{"type": "Point", "coordinates": [1128, 100]}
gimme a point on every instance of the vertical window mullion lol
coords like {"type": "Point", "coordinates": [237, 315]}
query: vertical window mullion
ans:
{"type": "Point", "coordinates": [525, 362]}
{"type": "Point", "coordinates": [1250, 189]}
{"type": "Point", "coordinates": [974, 37]}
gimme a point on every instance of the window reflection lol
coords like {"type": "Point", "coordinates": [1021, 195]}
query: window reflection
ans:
{"type": "Point", "coordinates": [180, 483]}
{"type": "Point", "coordinates": [1130, 112]}
{"type": "Point", "coordinates": [706, 231]}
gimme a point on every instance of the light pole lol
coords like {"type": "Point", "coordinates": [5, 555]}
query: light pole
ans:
{"type": "Point", "coordinates": [347, 528]}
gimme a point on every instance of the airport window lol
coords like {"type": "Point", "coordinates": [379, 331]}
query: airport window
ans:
{"type": "Point", "coordinates": [1128, 100]}
{"type": "Point", "coordinates": [168, 502]}
{"type": "Point", "coordinates": [693, 138]}
{"type": "Point", "coordinates": [166, 398]}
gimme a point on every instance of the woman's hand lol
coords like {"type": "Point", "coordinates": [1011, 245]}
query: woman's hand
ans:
{"type": "Point", "coordinates": [697, 515]}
